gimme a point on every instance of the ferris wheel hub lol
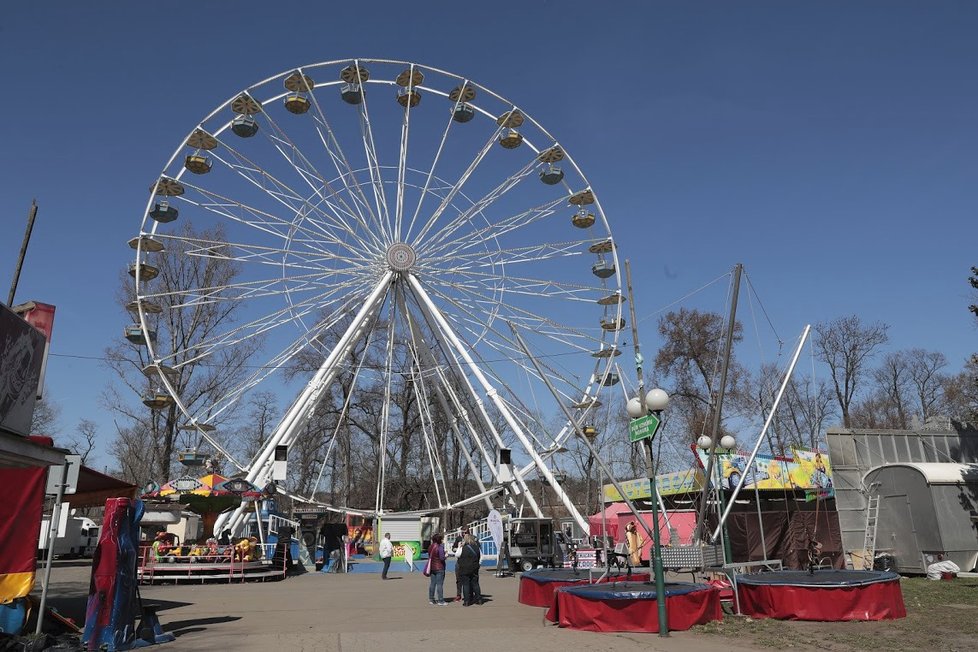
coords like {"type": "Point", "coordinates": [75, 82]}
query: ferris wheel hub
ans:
{"type": "Point", "coordinates": [401, 257]}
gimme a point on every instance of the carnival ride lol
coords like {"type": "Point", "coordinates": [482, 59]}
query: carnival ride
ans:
{"type": "Point", "coordinates": [381, 241]}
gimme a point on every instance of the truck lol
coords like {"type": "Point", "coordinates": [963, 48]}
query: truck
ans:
{"type": "Point", "coordinates": [531, 543]}
{"type": "Point", "coordinates": [80, 539]}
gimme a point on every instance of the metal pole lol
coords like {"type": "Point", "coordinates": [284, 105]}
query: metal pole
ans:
{"type": "Point", "coordinates": [767, 424]}
{"type": "Point", "coordinates": [639, 361]}
{"type": "Point", "coordinates": [717, 410]}
{"type": "Point", "coordinates": [23, 252]}
{"type": "Point", "coordinates": [760, 521]}
{"type": "Point", "coordinates": [660, 585]}
{"type": "Point", "coordinates": [52, 532]}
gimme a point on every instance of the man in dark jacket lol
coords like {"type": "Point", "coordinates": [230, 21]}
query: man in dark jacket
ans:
{"type": "Point", "coordinates": [467, 567]}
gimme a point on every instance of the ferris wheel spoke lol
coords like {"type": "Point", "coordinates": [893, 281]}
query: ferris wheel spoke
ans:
{"type": "Point", "coordinates": [402, 159]}
{"type": "Point", "coordinates": [457, 188]}
{"type": "Point", "coordinates": [431, 171]}
{"type": "Point", "coordinates": [240, 290]}
{"type": "Point", "coordinates": [317, 184]}
{"type": "Point", "coordinates": [492, 232]}
{"type": "Point", "coordinates": [261, 221]}
{"type": "Point", "coordinates": [505, 354]}
{"type": "Point", "coordinates": [498, 192]}
{"type": "Point", "coordinates": [258, 254]}
{"type": "Point", "coordinates": [348, 176]}
{"type": "Point", "coordinates": [473, 322]}
{"type": "Point", "coordinates": [373, 165]}
{"type": "Point", "coordinates": [332, 146]}
{"type": "Point", "coordinates": [316, 180]}
{"type": "Point", "coordinates": [264, 221]}
{"type": "Point", "coordinates": [541, 325]}
{"type": "Point", "coordinates": [254, 328]}
{"type": "Point", "coordinates": [284, 357]}
{"type": "Point", "coordinates": [453, 411]}
{"type": "Point", "coordinates": [475, 263]}
{"type": "Point", "coordinates": [534, 287]}
{"type": "Point", "coordinates": [259, 325]}
{"type": "Point", "coordinates": [296, 203]}
{"type": "Point", "coordinates": [498, 379]}
{"type": "Point", "coordinates": [475, 310]}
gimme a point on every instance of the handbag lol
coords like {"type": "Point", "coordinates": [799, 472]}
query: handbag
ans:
{"type": "Point", "coordinates": [427, 568]}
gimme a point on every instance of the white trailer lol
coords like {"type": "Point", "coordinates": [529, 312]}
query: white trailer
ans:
{"type": "Point", "coordinates": [79, 540]}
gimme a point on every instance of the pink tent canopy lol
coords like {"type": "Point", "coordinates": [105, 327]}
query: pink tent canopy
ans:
{"type": "Point", "coordinates": [611, 513]}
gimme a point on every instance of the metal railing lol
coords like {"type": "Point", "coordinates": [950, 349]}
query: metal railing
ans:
{"type": "Point", "coordinates": [480, 530]}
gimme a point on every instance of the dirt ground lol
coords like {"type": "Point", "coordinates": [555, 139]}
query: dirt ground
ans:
{"type": "Point", "coordinates": [316, 612]}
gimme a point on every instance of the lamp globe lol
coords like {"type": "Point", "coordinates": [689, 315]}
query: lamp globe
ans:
{"type": "Point", "coordinates": [728, 442]}
{"type": "Point", "coordinates": [635, 408]}
{"type": "Point", "coordinates": [657, 400]}
{"type": "Point", "coordinates": [704, 442]}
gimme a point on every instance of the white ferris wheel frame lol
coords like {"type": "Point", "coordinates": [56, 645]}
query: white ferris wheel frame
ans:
{"type": "Point", "coordinates": [349, 201]}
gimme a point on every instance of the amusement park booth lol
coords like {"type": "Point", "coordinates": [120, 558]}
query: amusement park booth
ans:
{"type": "Point", "coordinates": [786, 503]}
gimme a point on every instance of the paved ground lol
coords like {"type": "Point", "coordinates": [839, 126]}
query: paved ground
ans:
{"type": "Point", "coordinates": [352, 613]}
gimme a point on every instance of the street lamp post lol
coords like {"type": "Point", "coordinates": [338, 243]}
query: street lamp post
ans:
{"type": "Point", "coordinates": [727, 443]}
{"type": "Point", "coordinates": [655, 401]}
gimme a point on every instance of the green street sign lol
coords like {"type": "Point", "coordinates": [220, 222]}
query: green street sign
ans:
{"type": "Point", "coordinates": [643, 427]}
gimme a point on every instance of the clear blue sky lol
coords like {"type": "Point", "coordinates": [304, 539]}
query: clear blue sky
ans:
{"type": "Point", "coordinates": [831, 147]}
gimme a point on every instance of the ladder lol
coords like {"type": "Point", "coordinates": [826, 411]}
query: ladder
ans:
{"type": "Point", "coordinates": [872, 521]}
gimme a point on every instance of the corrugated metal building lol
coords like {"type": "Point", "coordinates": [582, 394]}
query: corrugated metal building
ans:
{"type": "Point", "coordinates": [927, 483]}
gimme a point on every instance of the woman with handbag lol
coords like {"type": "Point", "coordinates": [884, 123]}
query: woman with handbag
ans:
{"type": "Point", "coordinates": [435, 569]}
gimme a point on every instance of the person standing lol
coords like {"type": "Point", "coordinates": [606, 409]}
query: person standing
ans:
{"type": "Point", "coordinates": [409, 556]}
{"type": "Point", "coordinates": [456, 550]}
{"type": "Point", "coordinates": [467, 569]}
{"type": "Point", "coordinates": [436, 570]}
{"type": "Point", "coordinates": [386, 552]}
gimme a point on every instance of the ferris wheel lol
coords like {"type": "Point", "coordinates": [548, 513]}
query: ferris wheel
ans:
{"type": "Point", "coordinates": [386, 227]}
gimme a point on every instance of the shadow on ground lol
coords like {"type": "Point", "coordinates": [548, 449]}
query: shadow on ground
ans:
{"type": "Point", "coordinates": [180, 627]}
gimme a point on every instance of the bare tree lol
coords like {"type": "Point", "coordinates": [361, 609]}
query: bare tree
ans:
{"type": "Point", "coordinates": [927, 380]}
{"type": "Point", "coordinates": [960, 392]}
{"type": "Point", "coordinates": [83, 443]}
{"type": "Point", "coordinates": [846, 345]}
{"type": "Point", "coordinates": [802, 414]}
{"type": "Point", "coordinates": [689, 361]}
{"type": "Point", "coordinates": [45, 420]}
{"type": "Point", "coordinates": [204, 374]}
{"type": "Point", "coordinates": [261, 420]}
{"type": "Point", "coordinates": [893, 385]}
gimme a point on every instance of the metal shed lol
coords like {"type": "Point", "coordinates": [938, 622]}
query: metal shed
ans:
{"type": "Point", "coordinates": [926, 508]}
{"type": "Point", "coordinates": [855, 452]}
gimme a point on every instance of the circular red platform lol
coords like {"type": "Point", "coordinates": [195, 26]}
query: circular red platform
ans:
{"type": "Point", "coordinates": [631, 607]}
{"type": "Point", "coordinates": [826, 595]}
{"type": "Point", "coordinates": [537, 587]}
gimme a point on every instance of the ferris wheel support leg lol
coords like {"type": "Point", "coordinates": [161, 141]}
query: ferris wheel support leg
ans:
{"type": "Point", "coordinates": [421, 348]}
{"type": "Point", "coordinates": [474, 433]}
{"type": "Point", "coordinates": [303, 407]}
{"type": "Point", "coordinates": [493, 395]}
